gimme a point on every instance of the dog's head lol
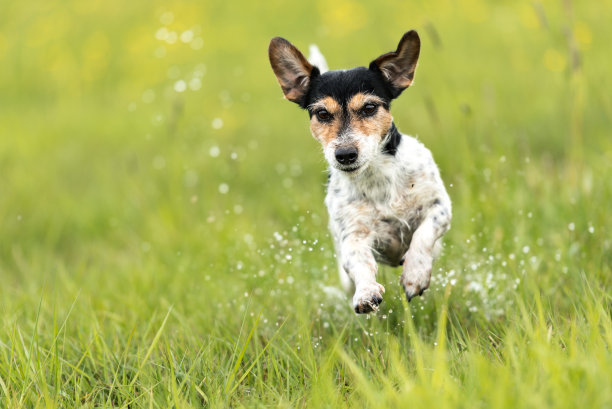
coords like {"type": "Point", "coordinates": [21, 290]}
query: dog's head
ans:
{"type": "Point", "coordinates": [349, 109]}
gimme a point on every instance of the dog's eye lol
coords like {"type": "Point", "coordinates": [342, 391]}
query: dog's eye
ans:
{"type": "Point", "coordinates": [369, 109]}
{"type": "Point", "coordinates": [323, 115]}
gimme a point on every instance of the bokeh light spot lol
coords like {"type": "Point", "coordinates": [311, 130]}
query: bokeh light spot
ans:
{"type": "Point", "coordinates": [180, 86]}
{"type": "Point", "coordinates": [195, 84]}
{"type": "Point", "coordinates": [186, 36]}
{"type": "Point", "coordinates": [167, 18]}
{"type": "Point", "coordinates": [217, 123]}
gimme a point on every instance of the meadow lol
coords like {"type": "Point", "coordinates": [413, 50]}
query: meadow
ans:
{"type": "Point", "coordinates": [163, 237]}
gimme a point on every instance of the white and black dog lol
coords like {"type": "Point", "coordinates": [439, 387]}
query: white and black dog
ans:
{"type": "Point", "coordinates": [385, 197]}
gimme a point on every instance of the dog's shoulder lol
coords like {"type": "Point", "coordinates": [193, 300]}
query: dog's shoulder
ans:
{"type": "Point", "coordinates": [412, 148]}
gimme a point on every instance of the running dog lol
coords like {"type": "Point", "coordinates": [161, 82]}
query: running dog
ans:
{"type": "Point", "coordinates": [385, 197]}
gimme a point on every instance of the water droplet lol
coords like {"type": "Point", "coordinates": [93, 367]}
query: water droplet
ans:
{"type": "Point", "coordinates": [180, 86]}
{"type": "Point", "coordinates": [195, 84]}
{"type": "Point", "coordinates": [186, 36]}
{"type": "Point", "coordinates": [214, 151]}
{"type": "Point", "coordinates": [161, 34]}
{"type": "Point", "coordinates": [217, 123]}
{"type": "Point", "coordinates": [223, 188]}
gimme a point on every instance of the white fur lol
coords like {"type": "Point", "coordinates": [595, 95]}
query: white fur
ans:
{"type": "Point", "coordinates": [316, 58]}
{"type": "Point", "coordinates": [394, 208]}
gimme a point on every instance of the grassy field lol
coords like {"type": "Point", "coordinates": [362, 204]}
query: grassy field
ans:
{"type": "Point", "coordinates": [163, 238]}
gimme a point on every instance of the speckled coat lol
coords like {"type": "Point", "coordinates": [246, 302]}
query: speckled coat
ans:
{"type": "Point", "coordinates": [374, 215]}
{"type": "Point", "coordinates": [385, 197]}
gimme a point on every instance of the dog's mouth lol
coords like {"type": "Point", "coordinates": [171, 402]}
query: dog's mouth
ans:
{"type": "Point", "coordinates": [350, 169]}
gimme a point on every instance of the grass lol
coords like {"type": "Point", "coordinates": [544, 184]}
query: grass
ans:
{"type": "Point", "coordinates": [164, 243]}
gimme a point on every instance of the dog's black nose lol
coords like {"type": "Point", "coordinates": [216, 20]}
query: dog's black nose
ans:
{"type": "Point", "coordinates": [346, 155]}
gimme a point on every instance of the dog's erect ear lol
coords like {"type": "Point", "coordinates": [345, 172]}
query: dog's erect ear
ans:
{"type": "Point", "coordinates": [398, 67]}
{"type": "Point", "coordinates": [292, 69]}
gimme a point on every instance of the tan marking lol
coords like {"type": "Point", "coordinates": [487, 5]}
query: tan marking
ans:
{"type": "Point", "coordinates": [375, 126]}
{"type": "Point", "coordinates": [361, 232]}
{"type": "Point", "coordinates": [359, 100]}
{"type": "Point", "coordinates": [326, 132]}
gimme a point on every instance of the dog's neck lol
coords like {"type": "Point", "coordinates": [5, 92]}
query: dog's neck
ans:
{"type": "Point", "coordinates": [392, 140]}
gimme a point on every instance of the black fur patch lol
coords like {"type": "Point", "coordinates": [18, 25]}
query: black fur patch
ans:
{"type": "Point", "coordinates": [342, 85]}
{"type": "Point", "coordinates": [394, 138]}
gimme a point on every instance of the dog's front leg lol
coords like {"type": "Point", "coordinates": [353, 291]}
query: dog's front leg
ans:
{"type": "Point", "coordinates": [418, 261]}
{"type": "Point", "coordinates": [359, 263]}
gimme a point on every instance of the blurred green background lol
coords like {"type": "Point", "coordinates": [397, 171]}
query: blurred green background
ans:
{"type": "Point", "coordinates": [120, 121]}
{"type": "Point", "coordinates": [149, 163]}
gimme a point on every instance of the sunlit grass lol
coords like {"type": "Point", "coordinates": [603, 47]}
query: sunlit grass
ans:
{"type": "Point", "coordinates": [163, 237]}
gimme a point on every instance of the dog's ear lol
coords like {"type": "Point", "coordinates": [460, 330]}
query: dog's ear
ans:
{"type": "Point", "coordinates": [292, 70]}
{"type": "Point", "coordinates": [398, 67]}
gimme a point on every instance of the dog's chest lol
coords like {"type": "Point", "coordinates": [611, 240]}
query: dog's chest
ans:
{"type": "Point", "coordinates": [391, 192]}
{"type": "Point", "coordinates": [384, 208]}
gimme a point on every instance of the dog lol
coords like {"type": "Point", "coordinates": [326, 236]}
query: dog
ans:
{"type": "Point", "coordinates": [385, 197]}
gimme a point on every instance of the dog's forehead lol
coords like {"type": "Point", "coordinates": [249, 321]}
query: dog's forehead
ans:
{"type": "Point", "coordinates": [342, 85]}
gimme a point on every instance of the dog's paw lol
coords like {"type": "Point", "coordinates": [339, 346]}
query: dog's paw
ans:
{"type": "Point", "coordinates": [367, 298]}
{"type": "Point", "coordinates": [416, 275]}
